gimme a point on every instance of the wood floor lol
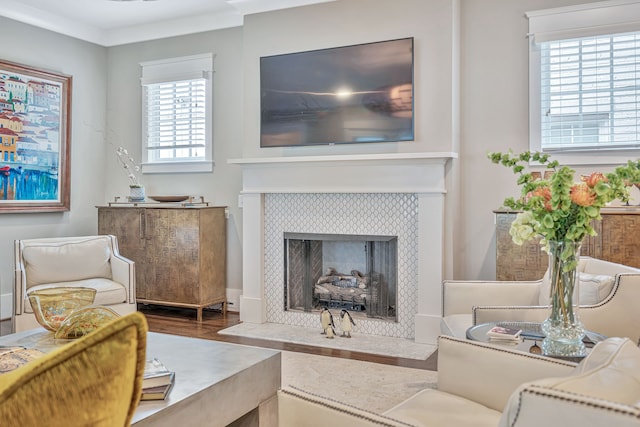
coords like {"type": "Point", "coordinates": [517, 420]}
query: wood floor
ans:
{"type": "Point", "coordinates": [183, 322]}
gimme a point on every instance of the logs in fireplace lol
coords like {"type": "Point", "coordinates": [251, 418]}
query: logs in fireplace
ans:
{"type": "Point", "coordinates": [315, 279]}
{"type": "Point", "coordinates": [343, 291]}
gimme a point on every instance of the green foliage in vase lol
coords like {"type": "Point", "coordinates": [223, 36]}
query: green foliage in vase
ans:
{"type": "Point", "coordinates": [559, 207]}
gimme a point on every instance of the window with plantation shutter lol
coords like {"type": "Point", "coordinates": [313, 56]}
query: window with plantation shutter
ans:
{"type": "Point", "coordinates": [585, 81]}
{"type": "Point", "coordinates": [176, 103]}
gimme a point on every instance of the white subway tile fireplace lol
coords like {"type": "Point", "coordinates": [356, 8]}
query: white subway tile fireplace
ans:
{"type": "Point", "coordinates": [388, 195]}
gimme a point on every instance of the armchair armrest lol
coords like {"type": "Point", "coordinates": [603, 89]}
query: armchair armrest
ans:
{"type": "Point", "coordinates": [459, 297]}
{"type": "Point", "coordinates": [466, 367]}
{"type": "Point", "coordinates": [618, 314]}
{"type": "Point", "coordinates": [541, 406]}
{"type": "Point", "coordinates": [301, 409]}
{"type": "Point", "coordinates": [603, 391]}
{"type": "Point", "coordinates": [123, 271]}
{"type": "Point", "coordinates": [20, 287]}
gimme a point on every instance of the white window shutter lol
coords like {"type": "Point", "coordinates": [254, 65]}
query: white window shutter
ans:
{"type": "Point", "coordinates": [585, 80]}
{"type": "Point", "coordinates": [177, 114]}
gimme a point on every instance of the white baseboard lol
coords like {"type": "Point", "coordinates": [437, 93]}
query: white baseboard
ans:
{"type": "Point", "coordinates": [233, 299]}
{"type": "Point", "coordinates": [6, 306]}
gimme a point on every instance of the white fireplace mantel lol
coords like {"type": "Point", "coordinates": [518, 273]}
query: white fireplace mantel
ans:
{"type": "Point", "coordinates": [423, 174]}
{"type": "Point", "coordinates": [376, 173]}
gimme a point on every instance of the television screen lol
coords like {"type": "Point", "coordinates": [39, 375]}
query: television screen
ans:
{"type": "Point", "coordinates": [353, 94]}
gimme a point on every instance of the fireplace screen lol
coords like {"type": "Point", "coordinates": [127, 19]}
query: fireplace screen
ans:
{"type": "Point", "coordinates": [350, 272]}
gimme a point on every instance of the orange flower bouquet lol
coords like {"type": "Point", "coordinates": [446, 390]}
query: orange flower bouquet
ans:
{"type": "Point", "coordinates": [559, 208]}
{"type": "Point", "coordinates": [562, 211]}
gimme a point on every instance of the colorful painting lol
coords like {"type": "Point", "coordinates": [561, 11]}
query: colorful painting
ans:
{"type": "Point", "coordinates": [34, 139]}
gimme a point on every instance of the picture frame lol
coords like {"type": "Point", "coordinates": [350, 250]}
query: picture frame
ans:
{"type": "Point", "coordinates": [35, 122]}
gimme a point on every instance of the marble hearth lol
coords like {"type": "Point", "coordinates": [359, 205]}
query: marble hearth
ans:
{"type": "Point", "coordinates": [394, 194]}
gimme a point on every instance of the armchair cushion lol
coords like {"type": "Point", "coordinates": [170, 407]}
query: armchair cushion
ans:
{"type": "Point", "coordinates": [108, 292]}
{"type": "Point", "coordinates": [593, 288]}
{"type": "Point", "coordinates": [67, 261]}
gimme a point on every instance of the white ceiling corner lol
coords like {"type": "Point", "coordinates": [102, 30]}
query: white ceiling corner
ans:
{"type": "Point", "coordinates": [111, 23]}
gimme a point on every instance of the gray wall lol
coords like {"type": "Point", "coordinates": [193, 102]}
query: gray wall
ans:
{"type": "Point", "coordinates": [471, 97]}
{"type": "Point", "coordinates": [495, 109]}
{"type": "Point", "coordinates": [87, 63]}
{"type": "Point", "coordinates": [124, 122]}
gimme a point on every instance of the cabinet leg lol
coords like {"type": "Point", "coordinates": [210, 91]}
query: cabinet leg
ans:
{"type": "Point", "coordinates": [199, 314]}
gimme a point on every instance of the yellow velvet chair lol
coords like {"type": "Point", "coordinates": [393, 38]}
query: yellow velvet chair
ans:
{"type": "Point", "coordinates": [94, 381]}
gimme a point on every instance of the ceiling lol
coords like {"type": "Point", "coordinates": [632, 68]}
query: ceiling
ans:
{"type": "Point", "coordinates": [116, 22]}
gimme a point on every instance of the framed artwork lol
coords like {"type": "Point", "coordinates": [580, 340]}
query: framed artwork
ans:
{"type": "Point", "coordinates": [34, 139]}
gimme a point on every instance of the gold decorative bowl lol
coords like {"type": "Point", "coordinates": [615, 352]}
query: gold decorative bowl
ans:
{"type": "Point", "coordinates": [52, 306]}
{"type": "Point", "coordinates": [83, 321]}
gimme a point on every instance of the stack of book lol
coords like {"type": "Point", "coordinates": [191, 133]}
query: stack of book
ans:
{"type": "Point", "coordinates": [504, 334]}
{"type": "Point", "coordinates": [157, 380]}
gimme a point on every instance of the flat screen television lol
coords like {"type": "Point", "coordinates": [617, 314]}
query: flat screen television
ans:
{"type": "Point", "coordinates": [353, 94]}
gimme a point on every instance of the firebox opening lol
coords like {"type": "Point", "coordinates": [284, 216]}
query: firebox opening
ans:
{"type": "Point", "coordinates": [341, 271]}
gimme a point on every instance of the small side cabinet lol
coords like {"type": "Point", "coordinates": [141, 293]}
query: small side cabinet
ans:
{"type": "Point", "coordinates": [179, 252]}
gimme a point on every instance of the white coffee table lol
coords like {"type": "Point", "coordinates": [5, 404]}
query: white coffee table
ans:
{"type": "Point", "coordinates": [216, 383]}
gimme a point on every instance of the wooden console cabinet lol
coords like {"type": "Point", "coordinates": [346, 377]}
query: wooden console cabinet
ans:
{"type": "Point", "coordinates": [618, 240]}
{"type": "Point", "coordinates": [179, 252]}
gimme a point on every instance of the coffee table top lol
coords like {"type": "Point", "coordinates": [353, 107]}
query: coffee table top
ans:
{"type": "Point", "coordinates": [231, 378]}
{"type": "Point", "coordinates": [531, 335]}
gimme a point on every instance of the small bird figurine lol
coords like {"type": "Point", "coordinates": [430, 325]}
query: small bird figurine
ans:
{"type": "Point", "coordinates": [330, 332]}
{"type": "Point", "coordinates": [346, 323]}
{"type": "Point", "coordinates": [326, 320]}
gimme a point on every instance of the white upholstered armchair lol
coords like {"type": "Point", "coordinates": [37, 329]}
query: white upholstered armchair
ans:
{"type": "Point", "coordinates": [609, 299]}
{"type": "Point", "coordinates": [86, 261]}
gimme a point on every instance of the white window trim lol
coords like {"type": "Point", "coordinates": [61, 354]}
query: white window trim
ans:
{"type": "Point", "coordinates": [174, 69]}
{"type": "Point", "coordinates": [606, 17]}
{"type": "Point", "coordinates": [178, 167]}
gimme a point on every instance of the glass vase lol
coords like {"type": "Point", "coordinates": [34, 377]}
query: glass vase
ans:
{"type": "Point", "coordinates": [563, 329]}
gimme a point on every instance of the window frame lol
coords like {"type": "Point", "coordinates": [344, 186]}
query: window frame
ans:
{"type": "Point", "coordinates": [173, 70]}
{"type": "Point", "coordinates": [599, 18]}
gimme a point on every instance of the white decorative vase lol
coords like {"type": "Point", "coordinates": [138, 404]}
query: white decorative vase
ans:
{"type": "Point", "coordinates": [136, 194]}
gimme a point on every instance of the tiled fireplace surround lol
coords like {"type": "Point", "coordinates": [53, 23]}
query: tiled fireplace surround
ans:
{"type": "Point", "coordinates": [392, 194]}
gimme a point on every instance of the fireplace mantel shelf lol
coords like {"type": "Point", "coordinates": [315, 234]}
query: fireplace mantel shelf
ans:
{"type": "Point", "coordinates": [362, 173]}
{"type": "Point", "coordinates": [435, 156]}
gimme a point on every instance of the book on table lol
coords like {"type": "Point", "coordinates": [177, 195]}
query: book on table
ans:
{"type": "Point", "coordinates": [156, 374]}
{"type": "Point", "coordinates": [504, 334]}
{"type": "Point", "coordinates": [158, 392]}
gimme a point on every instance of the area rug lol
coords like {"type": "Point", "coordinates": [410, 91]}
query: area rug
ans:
{"type": "Point", "coordinates": [372, 344]}
{"type": "Point", "coordinates": [372, 386]}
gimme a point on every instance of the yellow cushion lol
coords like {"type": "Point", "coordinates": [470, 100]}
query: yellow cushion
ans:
{"type": "Point", "coordinates": [94, 381]}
